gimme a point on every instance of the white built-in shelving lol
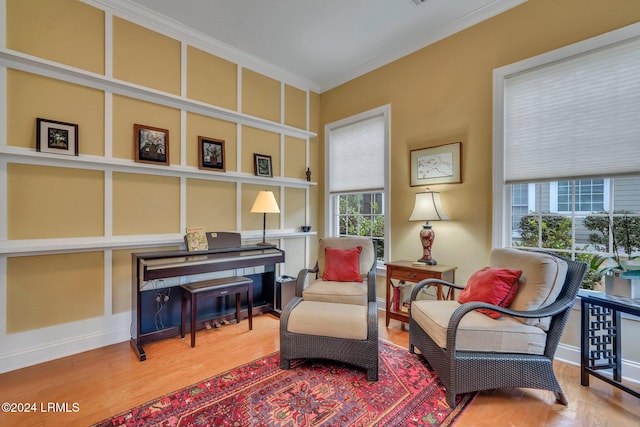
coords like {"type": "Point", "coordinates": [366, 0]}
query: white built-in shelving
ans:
{"type": "Point", "coordinates": [12, 154]}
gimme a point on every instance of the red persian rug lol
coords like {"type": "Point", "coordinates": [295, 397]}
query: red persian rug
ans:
{"type": "Point", "coordinates": [312, 393]}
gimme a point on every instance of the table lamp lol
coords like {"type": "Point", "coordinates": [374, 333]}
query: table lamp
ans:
{"type": "Point", "coordinates": [265, 203]}
{"type": "Point", "coordinates": [428, 208]}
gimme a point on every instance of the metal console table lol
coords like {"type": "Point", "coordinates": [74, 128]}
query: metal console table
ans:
{"type": "Point", "coordinates": [601, 341]}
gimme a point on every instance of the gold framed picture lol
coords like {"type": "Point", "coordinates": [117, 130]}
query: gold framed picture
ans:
{"type": "Point", "coordinates": [436, 165]}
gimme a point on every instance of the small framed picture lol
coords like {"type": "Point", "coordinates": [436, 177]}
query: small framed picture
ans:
{"type": "Point", "coordinates": [56, 137]}
{"type": "Point", "coordinates": [436, 165]}
{"type": "Point", "coordinates": [262, 165]}
{"type": "Point", "coordinates": [211, 153]}
{"type": "Point", "coordinates": [151, 144]}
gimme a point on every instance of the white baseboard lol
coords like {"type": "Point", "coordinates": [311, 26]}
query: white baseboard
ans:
{"type": "Point", "coordinates": [42, 345]}
{"type": "Point", "coordinates": [571, 355]}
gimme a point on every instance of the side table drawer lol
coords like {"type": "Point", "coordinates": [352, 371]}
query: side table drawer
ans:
{"type": "Point", "coordinates": [413, 276]}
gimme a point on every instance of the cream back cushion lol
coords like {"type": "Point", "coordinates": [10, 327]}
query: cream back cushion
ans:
{"type": "Point", "coordinates": [540, 283]}
{"type": "Point", "coordinates": [367, 256]}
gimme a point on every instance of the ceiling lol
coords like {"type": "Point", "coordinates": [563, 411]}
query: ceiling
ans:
{"type": "Point", "coordinates": [327, 42]}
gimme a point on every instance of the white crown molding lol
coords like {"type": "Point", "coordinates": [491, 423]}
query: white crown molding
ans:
{"type": "Point", "coordinates": [153, 20]}
{"type": "Point", "coordinates": [162, 24]}
{"type": "Point", "coordinates": [431, 37]}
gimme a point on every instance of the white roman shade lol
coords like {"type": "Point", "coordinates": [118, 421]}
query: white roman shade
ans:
{"type": "Point", "coordinates": [575, 118]}
{"type": "Point", "coordinates": [357, 156]}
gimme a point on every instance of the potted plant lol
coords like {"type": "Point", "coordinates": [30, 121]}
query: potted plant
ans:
{"type": "Point", "coordinates": [621, 269]}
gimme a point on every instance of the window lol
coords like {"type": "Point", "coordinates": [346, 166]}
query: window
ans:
{"type": "Point", "coordinates": [572, 228]}
{"type": "Point", "coordinates": [357, 177]}
{"type": "Point", "coordinates": [361, 214]}
{"type": "Point", "coordinates": [522, 203]}
{"type": "Point", "coordinates": [591, 195]}
{"type": "Point", "coordinates": [565, 166]}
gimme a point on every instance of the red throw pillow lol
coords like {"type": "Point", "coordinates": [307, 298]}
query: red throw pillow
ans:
{"type": "Point", "coordinates": [342, 265]}
{"type": "Point", "coordinates": [497, 286]}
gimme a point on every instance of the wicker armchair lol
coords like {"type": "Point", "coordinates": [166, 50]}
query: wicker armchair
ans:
{"type": "Point", "coordinates": [318, 321]}
{"type": "Point", "coordinates": [464, 368]}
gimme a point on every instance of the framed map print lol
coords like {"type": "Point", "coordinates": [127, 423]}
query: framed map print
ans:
{"type": "Point", "coordinates": [435, 165]}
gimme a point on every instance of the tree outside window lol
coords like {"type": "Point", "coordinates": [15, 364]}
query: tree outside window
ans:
{"type": "Point", "coordinates": [361, 214]}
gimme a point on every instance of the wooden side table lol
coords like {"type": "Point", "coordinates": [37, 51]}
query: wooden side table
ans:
{"type": "Point", "coordinates": [406, 271]}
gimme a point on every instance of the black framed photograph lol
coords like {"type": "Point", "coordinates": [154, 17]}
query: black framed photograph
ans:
{"type": "Point", "coordinates": [262, 165]}
{"type": "Point", "coordinates": [151, 144]}
{"type": "Point", "coordinates": [56, 137]}
{"type": "Point", "coordinates": [436, 165]}
{"type": "Point", "coordinates": [211, 153]}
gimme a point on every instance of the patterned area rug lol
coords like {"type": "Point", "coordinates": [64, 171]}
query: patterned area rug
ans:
{"type": "Point", "coordinates": [312, 393]}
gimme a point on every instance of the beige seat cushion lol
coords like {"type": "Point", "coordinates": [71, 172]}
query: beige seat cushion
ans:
{"type": "Point", "coordinates": [540, 283]}
{"type": "Point", "coordinates": [337, 292]}
{"type": "Point", "coordinates": [478, 332]}
{"type": "Point", "coordinates": [329, 320]}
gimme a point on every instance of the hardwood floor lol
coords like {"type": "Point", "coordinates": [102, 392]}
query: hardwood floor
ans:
{"type": "Point", "coordinates": [110, 380]}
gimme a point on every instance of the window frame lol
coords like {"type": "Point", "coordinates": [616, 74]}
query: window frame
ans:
{"type": "Point", "coordinates": [531, 205]}
{"type": "Point", "coordinates": [502, 225]}
{"type": "Point", "coordinates": [331, 222]}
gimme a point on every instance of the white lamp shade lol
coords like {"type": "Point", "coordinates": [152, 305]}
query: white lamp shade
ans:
{"type": "Point", "coordinates": [428, 207]}
{"type": "Point", "coordinates": [265, 203]}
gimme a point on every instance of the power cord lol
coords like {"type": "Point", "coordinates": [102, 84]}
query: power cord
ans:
{"type": "Point", "coordinates": [161, 301]}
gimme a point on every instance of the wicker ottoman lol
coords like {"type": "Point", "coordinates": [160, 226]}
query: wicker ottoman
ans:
{"type": "Point", "coordinates": [325, 330]}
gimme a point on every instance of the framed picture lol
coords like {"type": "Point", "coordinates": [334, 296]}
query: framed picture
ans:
{"type": "Point", "coordinates": [56, 137]}
{"type": "Point", "coordinates": [436, 165]}
{"type": "Point", "coordinates": [151, 144]}
{"type": "Point", "coordinates": [262, 165]}
{"type": "Point", "coordinates": [211, 153]}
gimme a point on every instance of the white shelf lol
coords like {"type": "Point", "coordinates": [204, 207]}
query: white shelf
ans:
{"type": "Point", "coordinates": [21, 155]}
{"type": "Point", "coordinates": [100, 243]}
{"type": "Point", "coordinates": [32, 157]}
{"type": "Point", "coordinates": [21, 61]}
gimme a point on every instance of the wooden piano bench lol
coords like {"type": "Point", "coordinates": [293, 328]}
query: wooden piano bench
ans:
{"type": "Point", "coordinates": [215, 288]}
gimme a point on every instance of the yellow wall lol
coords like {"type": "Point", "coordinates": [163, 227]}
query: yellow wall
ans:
{"type": "Point", "coordinates": [211, 205]}
{"type": "Point", "coordinates": [198, 125]}
{"type": "Point", "coordinates": [53, 100]}
{"type": "Point", "coordinates": [443, 94]}
{"type": "Point", "coordinates": [295, 112]}
{"type": "Point", "coordinates": [103, 194]}
{"type": "Point", "coordinates": [145, 57]}
{"type": "Point", "coordinates": [145, 204]}
{"type": "Point", "coordinates": [294, 157]}
{"type": "Point", "coordinates": [47, 290]}
{"type": "Point", "coordinates": [75, 37]}
{"type": "Point", "coordinates": [128, 111]}
{"type": "Point", "coordinates": [258, 141]}
{"type": "Point", "coordinates": [49, 202]}
{"type": "Point", "coordinates": [211, 79]}
{"type": "Point", "coordinates": [260, 95]}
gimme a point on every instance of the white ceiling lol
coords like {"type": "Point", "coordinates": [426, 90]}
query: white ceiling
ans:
{"type": "Point", "coordinates": [328, 42]}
